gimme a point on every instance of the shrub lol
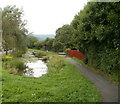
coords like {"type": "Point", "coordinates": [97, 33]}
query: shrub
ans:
{"type": "Point", "coordinates": [40, 54]}
{"type": "Point", "coordinates": [17, 54]}
{"type": "Point", "coordinates": [17, 64]}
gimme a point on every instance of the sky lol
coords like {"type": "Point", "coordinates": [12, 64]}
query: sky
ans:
{"type": "Point", "coordinates": [45, 16]}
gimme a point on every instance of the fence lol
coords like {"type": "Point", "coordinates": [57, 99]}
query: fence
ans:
{"type": "Point", "coordinates": [76, 53]}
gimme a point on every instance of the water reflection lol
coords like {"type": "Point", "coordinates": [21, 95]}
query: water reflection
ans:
{"type": "Point", "coordinates": [37, 68]}
{"type": "Point", "coordinates": [29, 72]}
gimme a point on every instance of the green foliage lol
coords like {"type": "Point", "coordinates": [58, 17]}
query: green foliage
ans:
{"type": "Point", "coordinates": [68, 85]}
{"type": "Point", "coordinates": [14, 32]}
{"type": "Point", "coordinates": [58, 46]}
{"type": "Point", "coordinates": [39, 45]}
{"type": "Point", "coordinates": [56, 64]}
{"type": "Point", "coordinates": [47, 44]}
{"type": "Point", "coordinates": [63, 37]}
{"type": "Point", "coordinates": [96, 33]}
{"type": "Point", "coordinates": [60, 43]}
{"type": "Point", "coordinates": [17, 64]}
{"type": "Point", "coordinates": [110, 74]}
{"type": "Point", "coordinates": [31, 40]}
{"type": "Point", "coordinates": [13, 63]}
{"type": "Point", "coordinates": [44, 45]}
{"type": "Point", "coordinates": [17, 54]}
{"type": "Point", "coordinates": [111, 60]}
{"type": "Point", "coordinates": [40, 54]}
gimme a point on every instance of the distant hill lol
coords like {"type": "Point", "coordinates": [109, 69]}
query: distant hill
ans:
{"type": "Point", "coordinates": [43, 37]}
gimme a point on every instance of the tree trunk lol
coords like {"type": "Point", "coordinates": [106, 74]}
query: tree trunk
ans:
{"type": "Point", "coordinates": [6, 52]}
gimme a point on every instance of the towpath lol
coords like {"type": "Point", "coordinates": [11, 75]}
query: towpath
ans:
{"type": "Point", "coordinates": [108, 90]}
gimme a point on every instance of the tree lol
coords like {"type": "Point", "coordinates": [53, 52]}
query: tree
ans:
{"type": "Point", "coordinates": [31, 40]}
{"type": "Point", "coordinates": [63, 36]}
{"type": "Point", "coordinates": [0, 29]}
{"type": "Point", "coordinates": [96, 32]}
{"type": "Point", "coordinates": [49, 44]}
{"type": "Point", "coordinates": [39, 44]}
{"type": "Point", "coordinates": [58, 46]}
{"type": "Point", "coordinates": [46, 44]}
{"type": "Point", "coordinates": [14, 32]}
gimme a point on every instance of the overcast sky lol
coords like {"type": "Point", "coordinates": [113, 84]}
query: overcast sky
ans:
{"type": "Point", "coordinates": [45, 16]}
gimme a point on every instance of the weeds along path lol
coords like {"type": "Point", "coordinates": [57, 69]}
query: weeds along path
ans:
{"type": "Point", "coordinates": [108, 90]}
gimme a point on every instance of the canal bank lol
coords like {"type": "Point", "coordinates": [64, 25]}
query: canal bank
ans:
{"type": "Point", "coordinates": [35, 67]}
{"type": "Point", "coordinates": [62, 83]}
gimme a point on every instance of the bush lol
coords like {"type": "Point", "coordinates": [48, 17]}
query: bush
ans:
{"type": "Point", "coordinates": [17, 54]}
{"type": "Point", "coordinates": [17, 64]}
{"type": "Point", "coordinates": [109, 61]}
{"type": "Point", "coordinates": [40, 54]}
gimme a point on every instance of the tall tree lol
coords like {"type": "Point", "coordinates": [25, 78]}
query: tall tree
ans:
{"type": "Point", "coordinates": [14, 32]}
{"type": "Point", "coordinates": [0, 29]}
{"type": "Point", "coordinates": [31, 40]}
{"type": "Point", "coordinates": [96, 32]}
{"type": "Point", "coordinates": [63, 36]}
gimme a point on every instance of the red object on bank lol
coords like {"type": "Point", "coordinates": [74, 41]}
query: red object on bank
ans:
{"type": "Point", "coordinates": [76, 53]}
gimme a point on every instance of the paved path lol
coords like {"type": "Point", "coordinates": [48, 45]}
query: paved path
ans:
{"type": "Point", "coordinates": [108, 90]}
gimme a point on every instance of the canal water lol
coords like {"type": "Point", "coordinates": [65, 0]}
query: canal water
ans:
{"type": "Point", "coordinates": [35, 67]}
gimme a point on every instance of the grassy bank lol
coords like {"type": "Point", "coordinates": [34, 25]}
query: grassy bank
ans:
{"type": "Point", "coordinates": [113, 76]}
{"type": "Point", "coordinates": [63, 83]}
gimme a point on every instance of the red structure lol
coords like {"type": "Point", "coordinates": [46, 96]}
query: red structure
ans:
{"type": "Point", "coordinates": [76, 53]}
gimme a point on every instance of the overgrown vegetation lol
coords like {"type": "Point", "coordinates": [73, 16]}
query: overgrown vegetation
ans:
{"type": "Point", "coordinates": [56, 64]}
{"type": "Point", "coordinates": [63, 83]}
{"type": "Point", "coordinates": [14, 39]}
{"type": "Point", "coordinates": [13, 63]}
{"type": "Point", "coordinates": [40, 54]}
{"type": "Point", "coordinates": [17, 54]}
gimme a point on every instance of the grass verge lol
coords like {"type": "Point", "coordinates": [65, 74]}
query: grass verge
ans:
{"type": "Point", "coordinates": [63, 83]}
